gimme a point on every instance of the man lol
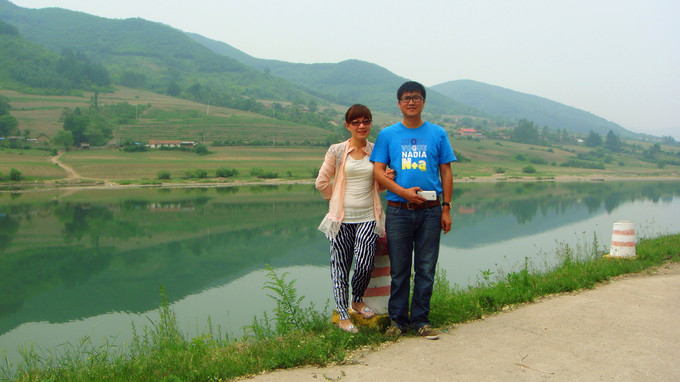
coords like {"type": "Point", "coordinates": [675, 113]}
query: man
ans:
{"type": "Point", "coordinates": [421, 155]}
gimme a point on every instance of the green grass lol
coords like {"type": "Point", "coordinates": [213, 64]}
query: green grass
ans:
{"type": "Point", "coordinates": [33, 164]}
{"type": "Point", "coordinates": [112, 164]}
{"type": "Point", "coordinates": [299, 163]}
{"type": "Point", "coordinates": [303, 336]}
{"type": "Point", "coordinates": [488, 155]}
{"type": "Point", "coordinates": [166, 118]}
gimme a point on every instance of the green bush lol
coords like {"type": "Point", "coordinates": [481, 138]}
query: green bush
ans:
{"type": "Point", "coordinates": [163, 175]}
{"type": "Point", "coordinates": [201, 149]}
{"type": "Point", "coordinates": [224, 172]}
{"type": "Point", "coordinates": [134, 148]}
{"type": "Point", "coordinates": [260, 173]}
{"type": "Point", "coordinates": [528, 169]}
{"type": "Point", "coordinates": [14, 174]}
{"type": "Point", "coordinates": [198, 173]}
{"type": "Point", "coordinates": [538, 161]}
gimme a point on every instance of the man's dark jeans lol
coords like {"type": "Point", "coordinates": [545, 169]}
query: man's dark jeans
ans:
{"type": "Point", "coordinates": [412, 239]}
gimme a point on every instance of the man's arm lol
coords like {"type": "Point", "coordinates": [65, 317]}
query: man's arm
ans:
{"type": "Point", "coordinates": [447, 192]}
{"type": "Point", "coordinates": [389, 184]}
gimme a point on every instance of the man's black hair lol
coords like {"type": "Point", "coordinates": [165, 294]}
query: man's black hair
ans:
{"type": "Point", "coordinates": [411, 86]}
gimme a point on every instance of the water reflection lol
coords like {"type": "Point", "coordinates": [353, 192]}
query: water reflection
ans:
{"type": "Point", "coordinates": [113, 254]}
{"type": "Point", "coordinates": [486, 214]}
{"type": "Point", "coordinates": [101, 256]}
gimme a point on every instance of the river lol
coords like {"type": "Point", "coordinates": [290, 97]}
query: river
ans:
{"type": "Point", "coordinates": [88, 264]}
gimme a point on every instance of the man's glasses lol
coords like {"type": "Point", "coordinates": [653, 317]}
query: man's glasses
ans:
{"type": "Point", "coordinates": [415, 99]}
{"type": "Point", "coordinates": [366, 122]}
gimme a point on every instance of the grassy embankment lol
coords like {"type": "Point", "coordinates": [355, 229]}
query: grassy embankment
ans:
{"type": "Point", "coordinates": [487, 158]}
{"type": "Point", "coordinates": [300, 336]}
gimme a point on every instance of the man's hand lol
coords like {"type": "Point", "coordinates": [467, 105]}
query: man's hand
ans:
{"type": "Point", "coordinates": [411, 194]}
{"type": "Point", "coordinates": [446, 220]}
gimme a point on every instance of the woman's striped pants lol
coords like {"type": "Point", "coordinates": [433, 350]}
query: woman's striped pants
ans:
{"type": "Point", "coordinates": [354, 241]}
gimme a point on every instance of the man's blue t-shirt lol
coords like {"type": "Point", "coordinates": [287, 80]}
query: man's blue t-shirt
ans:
{"type": "Point", "coordinates": [415, 155]}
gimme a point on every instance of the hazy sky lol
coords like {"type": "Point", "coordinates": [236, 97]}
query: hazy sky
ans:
{"type": "Point", "coordinates": [618, 59]}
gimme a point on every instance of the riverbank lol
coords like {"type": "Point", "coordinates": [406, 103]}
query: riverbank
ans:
{"type": "Point", "coordinates": [623, 330]}
{"type": "Point", "coordinates": [569, 351]}
{"type": "Point", "coordinates": [110, 185]}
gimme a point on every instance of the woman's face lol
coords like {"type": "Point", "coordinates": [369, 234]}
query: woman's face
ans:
{"type": "Point", "coordinates": [359, 127]}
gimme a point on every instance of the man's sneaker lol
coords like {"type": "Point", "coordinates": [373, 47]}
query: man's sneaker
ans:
{"type": "Point", "coordinates": [394, 331]}
{"type": "Point", "coordinates": [427, 332]}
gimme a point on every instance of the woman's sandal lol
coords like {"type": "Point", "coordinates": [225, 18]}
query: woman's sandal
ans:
{"type": "Point", "coordinates": [349, 328]}
{"type": "Point", "coordinates": [365, 312]}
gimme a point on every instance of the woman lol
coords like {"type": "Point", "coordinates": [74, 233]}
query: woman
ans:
{"type": "Point", "coordinates": [355, 217]}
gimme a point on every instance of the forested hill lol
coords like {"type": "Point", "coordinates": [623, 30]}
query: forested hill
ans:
{"type": "Point", "coordinates": [346, 82]}
{"type": "Point", "coordinates": [513, 105]}
{"type": "Point", "coordinates": [24, 64]}
{"type": "Point", "coordinates": [141, 54]}
{"type": "Point", "coordinates": [148, 55]}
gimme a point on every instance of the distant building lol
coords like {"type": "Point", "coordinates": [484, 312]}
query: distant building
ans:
{"type": "Point", "coordinates": [158, 143]}
{"type": "Point", "coordinates": [464, 133]}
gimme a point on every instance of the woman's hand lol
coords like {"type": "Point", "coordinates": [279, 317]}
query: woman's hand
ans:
{"type": "Point", "coordinates": [390, 173]}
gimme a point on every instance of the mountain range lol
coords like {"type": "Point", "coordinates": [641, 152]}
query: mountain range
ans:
{"type": "Point", "coordinates": [149, 55]}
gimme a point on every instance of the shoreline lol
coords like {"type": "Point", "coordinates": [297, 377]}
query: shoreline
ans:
{"type": "Point", "coordinates": [110, 185]}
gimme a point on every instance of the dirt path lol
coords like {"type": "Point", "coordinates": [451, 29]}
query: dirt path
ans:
{"type": "Point", "coordinates": [626, 330]}
{"type": "Point", "coordinates": [71, 174]}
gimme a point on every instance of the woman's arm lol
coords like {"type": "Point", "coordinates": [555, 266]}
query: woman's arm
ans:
{"type": "Point", "coordinates": [326, 173]}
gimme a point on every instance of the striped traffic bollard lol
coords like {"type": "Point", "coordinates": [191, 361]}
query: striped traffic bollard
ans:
{"type": "Point", "coordinates": [623, 240]}
{"type": "Point", "coordinates": [378, 292]}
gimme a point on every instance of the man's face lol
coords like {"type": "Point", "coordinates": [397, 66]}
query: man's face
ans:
{"type": "Point", "coordinates": [411, 104]}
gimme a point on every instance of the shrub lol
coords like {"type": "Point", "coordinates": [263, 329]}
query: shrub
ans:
{"type": "Point", "coordinates": [201, 149]}
{"type": "Point", "coordinates": [135, 148]}
{"type": "Point", "coordinates": [269, 175]}
{"type": "Point", "coordinates": [520, 157]}
{"type": "Point", "coordinates": [198, 173]}
{"type": "Point", "coordinates": [538, 161]}
{"type": "Point", "coordinates": [528, 169]}
{"type": "Point", "coordinates": [224, 172]}
{"type": "Point", "coordinates": [499, 170]}
{"type": "Point", "coordinates": [260, 173]}
{"type": "Point", "coordinates": [14, 174]}
{"type": "Point", "coordinates": [163, 175]}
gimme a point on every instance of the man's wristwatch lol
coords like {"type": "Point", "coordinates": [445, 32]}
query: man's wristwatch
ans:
{"type": "Point", "coordinates": [446, 204]}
